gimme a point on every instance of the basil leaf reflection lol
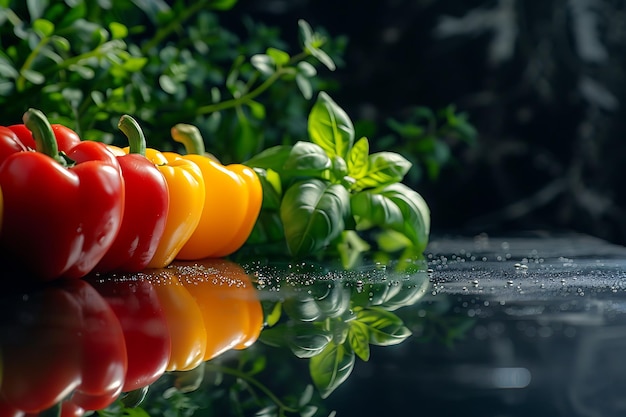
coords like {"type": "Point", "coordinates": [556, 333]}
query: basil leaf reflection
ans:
{"type": "Point", "coordinates": [330, 316]}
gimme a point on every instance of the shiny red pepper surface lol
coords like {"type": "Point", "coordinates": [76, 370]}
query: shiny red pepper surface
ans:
{"type": "Point", "coordinates": [59, 221]}
{"type": "Point", "coordinates": [9, 143]}
{"type": "Point", "coordinates": [145, 212]}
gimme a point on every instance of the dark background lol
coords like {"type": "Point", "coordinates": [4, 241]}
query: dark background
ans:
{"type": "Point", "coordinates": [542, 82]}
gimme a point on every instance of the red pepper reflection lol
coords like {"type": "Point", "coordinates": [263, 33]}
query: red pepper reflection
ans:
{"type": "Point", "coordinates": [62, 341]}
{"type": "Point", "coordinates": [78, 344]}
{"type": "Point", "coordinates": [143, 323]}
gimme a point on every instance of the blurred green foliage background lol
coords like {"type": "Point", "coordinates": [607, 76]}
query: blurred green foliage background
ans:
{"type": "Point", "coordinates": [245, 83]}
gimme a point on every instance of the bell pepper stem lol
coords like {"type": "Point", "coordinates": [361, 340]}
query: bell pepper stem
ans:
{"type": "Point", "coordinates": [54, 411]}
{"type": "Point", "coordinates": [132, 130]}
{"type": "Point", "coordinates": [45, 141]}
{"type": "Point", "coordinates": [134, 398]}
{"type": "Point", "coordinates": [190, 137]}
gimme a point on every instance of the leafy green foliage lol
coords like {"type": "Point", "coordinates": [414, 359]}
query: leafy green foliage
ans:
{"type": "Point", "coordinates": [429, 137]}
{"type": "Point", "coordinates": [85, 63]}
{"type": "Point", "coordinates": [323, 189]}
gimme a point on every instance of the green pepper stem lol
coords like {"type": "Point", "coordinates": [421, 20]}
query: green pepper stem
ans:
{"type": "Point", "coordinates": [54, 411]}
{"type": "Point", "coordinates": [132, 130]}
{"type": "Point", "coordinates": [190, 137]}
{"type": "Point", "coordinates": [45, 141]}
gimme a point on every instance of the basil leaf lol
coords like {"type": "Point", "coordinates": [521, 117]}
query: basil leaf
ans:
{"type": "Point", "coordinates": [311, 42]}
{"type": "Point", "coordinates": [313, 213]}
{"type": "Point", "coordinates": [271, 158]}
{"type": "Point", "coordinates": [263, 63]}
{"type": "Point", "coordinates": [278, 56]}
{"type": "Point", "coordinates": [397, 207]}
{"type": "Point", "coordinates": [384, 168]}
{"type": "Point", "coordinates": [33, 76]}
{"type": "Point", "coordinates": [247, 138]}
{"type": "Point", "coordinates": [36, 8]}
{"type": "Point", "coordinates": [223, 4]}
{"type": "Point", "coordinates": [256, 109]}
{"type": "Point", "coordinates": [306, 158]}
{"type": "Point", "coordinates": [272, 189]}
{"type": "Point", "coordinates": [384, 327]}
{"type": "Point", "coordinates": [44, 28]}
{"type": "Point", "coordinates": [330, 127]}
{"type": "Point", "coordinates": [303, 159]}
{"type": "Point", "coordinates": [304, 84]}
{"type": "Point", "coordinates": [305, 32]}
{"type": "Point", "coordinates": [358, 337]}
{"type": "Point", "coordinates": [267, 229]}
{"type": "Point", "coordinates": [331, 368]}
{"type": "Point", "coordinates": [358, 159]}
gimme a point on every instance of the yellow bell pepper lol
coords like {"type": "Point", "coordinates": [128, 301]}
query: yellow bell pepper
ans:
{"type": "Point", "coordinates": [255, 198]}
{"type": "Point", "coordinates": [232, 201]}
{"type": "Point", "coordinates": [186, 188]}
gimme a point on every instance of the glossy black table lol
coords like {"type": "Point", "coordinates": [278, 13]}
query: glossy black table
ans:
{"type": "Point", "coordinates": [511, 326]}
{"type": "Point", "coordinates": [532, 324]}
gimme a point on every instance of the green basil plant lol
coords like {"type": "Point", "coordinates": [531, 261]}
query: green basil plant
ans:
{"type": "Point", "coordinates": [323, 195]}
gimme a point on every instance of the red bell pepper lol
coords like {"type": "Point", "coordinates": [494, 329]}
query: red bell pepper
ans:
{"type": "Point", "coordinates": [145, 212]}
{"type": "Point", "coordinates": [9, 143]}
{"type": "Point", "coordinates": [59, 221]}
{"type": "Point", "coordinates": [9, 411]}
{"type": "Point", "coordinates": [137, 307]}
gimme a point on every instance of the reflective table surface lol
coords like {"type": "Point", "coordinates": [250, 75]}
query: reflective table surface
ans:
{"type": "Point", "coordinates": [532, 324]}
{"type": "Point", "coordinates": [513, 326]}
